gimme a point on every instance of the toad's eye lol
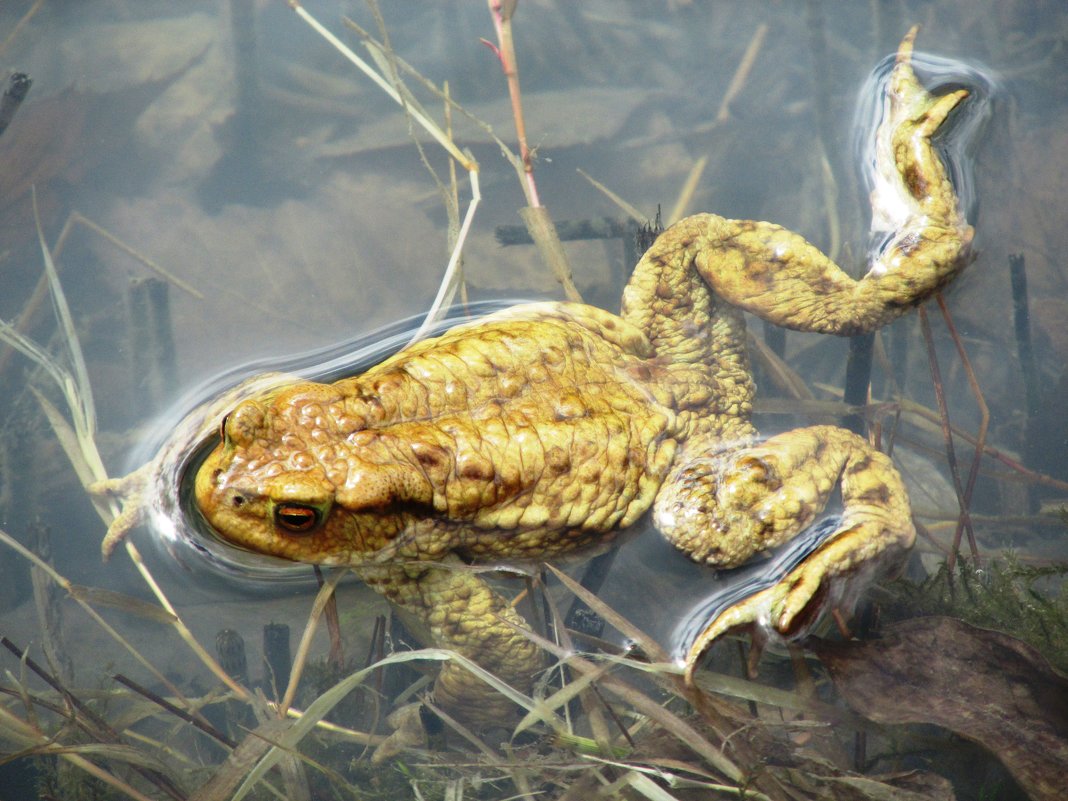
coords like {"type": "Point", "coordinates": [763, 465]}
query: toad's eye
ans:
{"type": "Point", "coordinates": [222, 427]}
{"type": "Point", "coordinates": [297, 517]}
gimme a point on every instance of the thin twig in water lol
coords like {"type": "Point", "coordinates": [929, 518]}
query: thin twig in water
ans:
{"type": "Point", "coordinates": [15, 727]}
{"type": "Point", "coordinates": [627, 208]}
{"type": "Point", "coordinates": [1022, 324]}
{"type": "Point", "coordinates": [326, 594]}
{"type": "Point", "coordinates": [178, 712]}
{"type": "Point", "coordinates": [77, 218]}
{"type": "Point", "coordinates": [741, 74]}
{"type": "Point", "coordinates": [984, 423]}
{"type": "Point", "coordinates": [21, 24]}
{"type": "Point", "coordinates": [988, 450]}
{"type": "Point", "coordinates": [183, 631]}
{"type": "Point", "coordinates": [947, 435]}
{"type": "Point", "coordinates": [23, 322]}
{"type": "Point", "coordinates": [88, 721]}
{"type": "Point", "coordinates": [452, 199]}
{"type": "Point", "coordinates": [682, 203]}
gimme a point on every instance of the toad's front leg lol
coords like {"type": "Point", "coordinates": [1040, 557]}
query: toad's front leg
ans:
{"type": "Point", "coordinates": [724, 507]}
{"type": "Point", "coordinates": [459, 611]}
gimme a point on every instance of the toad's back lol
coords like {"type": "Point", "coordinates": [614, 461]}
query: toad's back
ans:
{"type": "Point", "coordinates": [519, 436]}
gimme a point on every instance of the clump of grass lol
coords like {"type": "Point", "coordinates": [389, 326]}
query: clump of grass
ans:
{"type": "Point", "coordinates": [1027, 601]}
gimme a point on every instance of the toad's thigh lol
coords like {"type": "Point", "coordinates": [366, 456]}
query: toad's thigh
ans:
{"type": "Point", "coordinates": [722, 506]}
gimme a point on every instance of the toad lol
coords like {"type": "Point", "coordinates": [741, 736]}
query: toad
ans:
{"type": "Point", "coordinates": [548, 427]}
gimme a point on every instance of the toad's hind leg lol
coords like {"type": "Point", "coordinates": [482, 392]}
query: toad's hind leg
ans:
{"type": "Point", "coordinates": [722, 507]}
{"type": "Point", "coordinates": [780, 277]}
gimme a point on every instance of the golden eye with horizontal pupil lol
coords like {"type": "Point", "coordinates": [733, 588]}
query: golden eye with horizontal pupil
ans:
{"type": "Point", "coordinates": [298, 518]}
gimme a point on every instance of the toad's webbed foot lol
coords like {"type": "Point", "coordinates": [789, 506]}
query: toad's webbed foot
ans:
{"type": "Point", "coordinates": [132, 493]}
{"type": "Point", "coordinates": [724, 507]}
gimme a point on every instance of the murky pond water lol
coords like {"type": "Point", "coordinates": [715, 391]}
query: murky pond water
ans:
{"type": "Point", "coordinates": [224, 194]}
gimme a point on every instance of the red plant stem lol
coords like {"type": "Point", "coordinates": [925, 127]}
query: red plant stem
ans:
{"type": "Point", "coordinates": [951, 454]}
{"type": "Point", "coordinates": [502, 13]}
{"type": "Point", "coordinates": [1028, 474]}
{"type": "Point", "coordinates": [984, 415]}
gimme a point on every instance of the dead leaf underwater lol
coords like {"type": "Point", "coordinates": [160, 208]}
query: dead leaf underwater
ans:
{"type": "Point", "coordinates": [982, 685]}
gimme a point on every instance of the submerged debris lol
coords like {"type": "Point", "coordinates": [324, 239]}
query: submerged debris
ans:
{"type": "Point", "coordinates": [983, 685]}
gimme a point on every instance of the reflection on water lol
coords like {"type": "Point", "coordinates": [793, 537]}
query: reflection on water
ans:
{"type": "Point", "coordinates": [730, 586]}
